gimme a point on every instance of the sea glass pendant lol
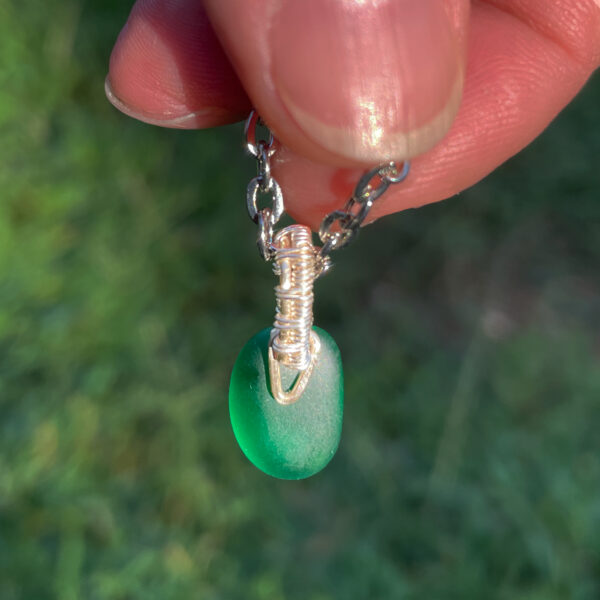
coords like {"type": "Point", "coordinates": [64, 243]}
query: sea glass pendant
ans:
{"type": "Point", "coordinates": [291, 441]}
{"type": "Point", "coordinates": [286, 391]}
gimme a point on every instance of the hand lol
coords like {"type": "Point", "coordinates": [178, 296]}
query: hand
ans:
{"type": "Point", "coordinates": [346, 84]}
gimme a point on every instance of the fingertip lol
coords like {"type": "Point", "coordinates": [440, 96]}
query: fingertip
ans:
{"type": "Point", "coordinates": [167, 68]}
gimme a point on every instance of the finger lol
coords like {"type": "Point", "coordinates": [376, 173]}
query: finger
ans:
{"type": "Point", "coordinates": [527, 59]}
{"type": "Point", "coordinates": [349, 82]}
{"type": "Point", "coordinates": [168, 68]}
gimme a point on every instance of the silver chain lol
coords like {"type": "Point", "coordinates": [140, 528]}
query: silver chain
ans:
{"type": "Point", "coordinates": [339, 227]}
{"type": "Point", "coordinates": [264, 183]}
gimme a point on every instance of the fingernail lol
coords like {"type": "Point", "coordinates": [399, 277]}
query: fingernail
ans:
{"type": "Point", "coordinates": [206, 117]}
{"type": "Point", "coordinates": [369, 80]}
{"type": "Point", "coordinates": [179, 122]}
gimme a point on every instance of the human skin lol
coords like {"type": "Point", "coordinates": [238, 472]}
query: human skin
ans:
{"type": "Point", "coordinates": [457, 86]}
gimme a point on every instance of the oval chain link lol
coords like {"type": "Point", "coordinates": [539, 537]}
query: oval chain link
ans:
{"type": "Point", "coordinates": [339, 227]}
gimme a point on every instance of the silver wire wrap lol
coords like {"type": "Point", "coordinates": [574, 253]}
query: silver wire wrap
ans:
{"type": "Point", "coordinates": [295, 263]}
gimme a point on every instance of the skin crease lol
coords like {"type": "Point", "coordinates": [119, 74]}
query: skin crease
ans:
{"type": "Point", "coordinates": [525, 60]}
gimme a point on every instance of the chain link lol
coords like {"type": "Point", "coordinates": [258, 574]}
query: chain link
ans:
{"type": "Point", "coordinates": [339, 227]}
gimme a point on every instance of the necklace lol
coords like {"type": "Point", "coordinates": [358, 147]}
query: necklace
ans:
{"type": "Point", "coordinates": [286, 389]}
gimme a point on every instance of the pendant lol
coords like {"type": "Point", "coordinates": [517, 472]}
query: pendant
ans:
{"type": "Point", "coordinates": [286, 389]}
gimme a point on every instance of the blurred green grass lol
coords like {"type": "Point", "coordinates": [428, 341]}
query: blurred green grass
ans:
{"type": "Point", "coordinates": [470, 462]}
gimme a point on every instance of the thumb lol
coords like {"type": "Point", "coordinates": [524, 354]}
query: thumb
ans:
{"type": "Point", "coordinates": [349, 81]}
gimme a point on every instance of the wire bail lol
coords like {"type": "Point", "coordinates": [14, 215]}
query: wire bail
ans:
{"type": "Point", "coordinates": [293, 342]}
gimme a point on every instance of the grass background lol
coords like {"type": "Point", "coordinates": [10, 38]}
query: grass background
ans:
{"type": "Point", "coordinates": [470, 461]}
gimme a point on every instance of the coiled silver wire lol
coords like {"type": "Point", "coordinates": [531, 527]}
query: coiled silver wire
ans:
{"type": "Point", "coordinates": [295, 264]}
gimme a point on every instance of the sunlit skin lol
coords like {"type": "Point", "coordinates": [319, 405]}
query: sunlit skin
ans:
{"type": "Point", "coordinates": [346, 84]}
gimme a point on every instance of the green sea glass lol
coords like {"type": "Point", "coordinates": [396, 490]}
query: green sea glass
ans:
{"type": "Point", "coordinates": [293, 441]}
